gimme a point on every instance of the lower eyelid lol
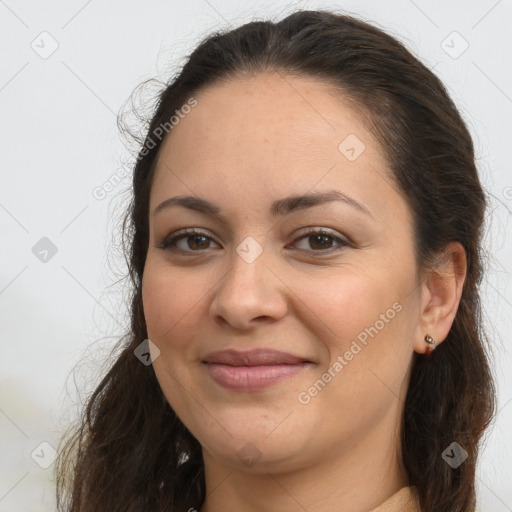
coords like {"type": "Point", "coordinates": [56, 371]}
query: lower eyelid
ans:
{"type": "Point", "coordinates": [339, 243]}
{"type": "Point", "coordinates": [170, 243]}
{"type": "Point", "coordinates": [173, 241]}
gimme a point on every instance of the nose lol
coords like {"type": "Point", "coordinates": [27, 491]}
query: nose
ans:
{"type": "Point", "coordinates": [249, 294]}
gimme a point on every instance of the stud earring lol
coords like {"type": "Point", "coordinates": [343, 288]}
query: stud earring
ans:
{"type": "Point", "coordinates": [430, 347]}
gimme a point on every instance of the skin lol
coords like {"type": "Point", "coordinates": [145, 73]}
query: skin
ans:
{"type": "Point", "coordinates": [248, 142]}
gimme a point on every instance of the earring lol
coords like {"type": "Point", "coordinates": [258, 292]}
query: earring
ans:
{"type": "Point", "coordinates": [430, 347]}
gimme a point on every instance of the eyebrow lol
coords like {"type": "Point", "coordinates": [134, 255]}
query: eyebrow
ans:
{"type": "Point", "coordinates": [280, 207]}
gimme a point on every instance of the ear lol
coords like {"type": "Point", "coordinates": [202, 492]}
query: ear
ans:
{"type": "Point", "coordinates": [441, 290]}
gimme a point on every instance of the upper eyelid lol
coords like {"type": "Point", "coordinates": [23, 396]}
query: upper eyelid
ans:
{"type": "Point", "coordinates": [189, 232]}
{"type": "Point", "coordinates": [303, 231]}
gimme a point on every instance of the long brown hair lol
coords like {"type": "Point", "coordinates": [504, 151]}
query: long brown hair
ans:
{"type": "Point", "coordinates": [129, 451]}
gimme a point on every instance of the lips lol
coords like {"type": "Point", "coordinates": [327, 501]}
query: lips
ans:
{"type": "Point", "coordinates": [253, 370]}
{"type": "Point", "coordinates": [257, 357]}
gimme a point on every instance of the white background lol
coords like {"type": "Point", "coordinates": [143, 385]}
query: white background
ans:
{"type": "Point", "coordinates": [60, 140]}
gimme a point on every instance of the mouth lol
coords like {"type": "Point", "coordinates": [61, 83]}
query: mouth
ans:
{"type": "Point", "coordinates": [253, 370]}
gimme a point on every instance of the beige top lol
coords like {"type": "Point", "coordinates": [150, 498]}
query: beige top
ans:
{"type": "Point", "coordinates": [405, 500]}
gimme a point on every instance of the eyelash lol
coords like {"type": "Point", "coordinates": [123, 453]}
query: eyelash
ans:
{"type": "Point", "coordinates": [169, 243]}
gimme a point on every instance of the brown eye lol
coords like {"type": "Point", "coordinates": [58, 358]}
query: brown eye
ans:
{"type": "Point", "coordinates": [197, 241]}
{"type": "Point", "coordinates": [189, 241]}
{"type": "Point", "coordinates": [192, 241]}
{"type": "Point", "coordinates": [320, 241]}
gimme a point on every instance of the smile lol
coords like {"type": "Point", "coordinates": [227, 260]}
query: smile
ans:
{"type": "Point", "coordinates": [252, 378]}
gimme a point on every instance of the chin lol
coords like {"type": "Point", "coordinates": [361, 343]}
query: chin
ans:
{"type": "Point", "coordinates": [255, 443]}
{"type": "Point", "coordinates": [257, 454]}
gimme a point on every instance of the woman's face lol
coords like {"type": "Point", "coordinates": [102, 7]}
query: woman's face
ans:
{"type": "Point", "coordinates": [331, 282]}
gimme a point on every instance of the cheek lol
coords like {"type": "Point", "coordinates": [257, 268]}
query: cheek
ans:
{"type": "Point", "coordinates": [347, 303]}
{"type": "Point", "coordinates": [171, 306]}
{"type": "Point", "coordinates": [170, 301]}
{"type": "Point", "coordinates": [368, 344]}
{"type": "Point", "coordinates": [365, 316]}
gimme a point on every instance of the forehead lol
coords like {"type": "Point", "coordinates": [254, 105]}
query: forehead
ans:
{"type": "Point", "coordinates": [280, 111]}
{"type": "Point", "coordinates": [271, 134]}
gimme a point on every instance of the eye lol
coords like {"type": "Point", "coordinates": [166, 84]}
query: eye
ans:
{"type": "Point", "coordinates": [321, 240]}
{"type": "Point", "coordinates": [191, 240]}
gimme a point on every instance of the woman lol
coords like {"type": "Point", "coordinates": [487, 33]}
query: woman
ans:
{"type": "Point", "coordinates": [304, 246]}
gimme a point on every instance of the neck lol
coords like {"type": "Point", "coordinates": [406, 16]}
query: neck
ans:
{"type": "Point", "coordinates": [357, 479]}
